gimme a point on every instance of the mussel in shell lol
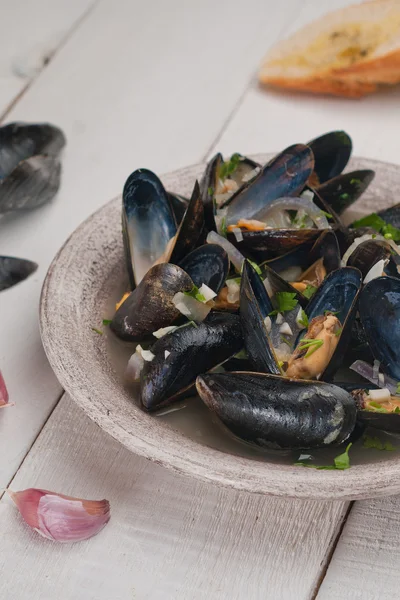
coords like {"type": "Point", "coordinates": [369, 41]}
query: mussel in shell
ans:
{"type": "Point", "coordinates": [185, 353]}
{"type": "Point", "coordinates": [275, 412]}
{"type": "Point", "coordinates": [150, 306]}
{"type": "Point", "coordinates": [332, 152]}
{"type": "Point", "coordinates": [342, 191]}
{"type": "Point", "coordinates": [30, 170]}
{"type": "Point", "coordinates": [14, 270]}
{"type": "Point", "coordinates": [378, 409]}
{"type": "Point", "coordinates": [209, 265]}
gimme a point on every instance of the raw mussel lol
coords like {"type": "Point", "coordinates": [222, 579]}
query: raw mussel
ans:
{"type": "Point", "coordinates": [30, 169]}
{"type": "Point", "coordinates": [13, 270]}
{"type": "Point", "coordinates": [183, 354]}
{"type": "Point", "coordinates": [275, 412]}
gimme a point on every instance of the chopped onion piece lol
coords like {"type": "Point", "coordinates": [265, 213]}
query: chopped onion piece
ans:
{"type": "Point", "coordinates": [238, 234]}
{"type": "Point", "coordinates": [273, 211]}
{"type": "Point", "coordinates": [134, 367]}
{"type": "Point", "coordinates": [234, 255]}
{"type": "Point", "coordinates": [268, 324]}
{"type": "Point", "coordinates": [357, 242]}
{"type": "Point", "coordinates": [190, 307]}
{"type": "Point", "coordinates": [279, 319]}
{"type": "Point", "coordinates": [233, 291]}
{"type": "Point", "coordinates": [375, 271]}
{"type": "Point", "coordinates": [163, 331]}
{"type": "Point", "coordinates": [308, 194]}
{"type": "Point", "coordinates": [285, 329]}
{"type": "Point", "coordinates": [291, 274]}
{"type": "Point", "coordinates": [207, 292]}
{"type": "Point", "coordinates": [268, 287]}
{"type": "Point", "coordinates": [147, 355]}
{"type": "Point", "coordinates": [379, 395]}
{"type": "Point", "coordinates": [250, 175]}
{"type": "Point", "coordinates": [166, 353]}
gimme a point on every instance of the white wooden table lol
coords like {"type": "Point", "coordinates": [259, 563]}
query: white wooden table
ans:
{"type": "Point", "coordinates": [161, 84]}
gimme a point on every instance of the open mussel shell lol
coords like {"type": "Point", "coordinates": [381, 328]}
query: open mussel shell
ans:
{"type": "Point", "coordinates": [14, 270]}
{"type": "Point", "coordinates": [180, 356]}
{"type": "Point", "coordinates": [150, 307]}
{"type": "Point", "coordinates": [379, 309]}
{"type": "Point", "coordinates": [179, 205]}
{"type": "Point", "coordinates": [276, 283]}
{"type": "Point", "coordinates": [20, 141]}
{"type": "Point", "coordinates": [338, 294]}
{"type": "Point", "coordinates": [369, 253]}
{"type": "Point", "coordinates": [148, 223]}
{"type": "Point", "coordinates": [275, 412]}
{"type": "Point", "coordinates": [284, 175]}
{"type": "Point", "coordinates": [391, 215]}
{"type": "Point", "coordinates": [191, 231]}
{"type": "Point", "coordinates": [207, 264]}
{"type": "Point", "coordinates": [270, 243]}
{"type": "Point", "coordinates": [389, 422]}
{"type": "Point", "coordinates": [342, 191]}
{"type": "Point", "coordinates": [332, 152]}
{"type": "Point", "coordinates": [255, 306]}
{"type": "Point", "coordinates": [208, 186]}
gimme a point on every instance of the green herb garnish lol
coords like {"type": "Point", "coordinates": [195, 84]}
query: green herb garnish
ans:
{"type": "Point", "coordinates": [97, 330]}
{"type": "Point", "coordinates": [106, 321]}
{"type": "Point", "coordinates": [309, 291]}
{"type": "Point", "coordinates": [255, 267]}
{"type": "Point", "coordinates": [210, 191]}
{"type": "Point", "coordinates": [303, 320]}
{"type": "Point", "coordinates": [345, 196]}
{"type": "Point", "coordinates": [375, 442]}
{"type": "Point", "coordinates": [355, 181]}
{"type": "Point", "coordinates": [330, 312]}
{"type": "Point", "coordinates": [242, 355]}
{"type": "Point", "coordinates": [391, 233]}
{"type": "Point", "coordinates": [376, 407]}
{"type": "Point", "coordinates": [339, 331]}
{"type": "Point", "coordinates": [326, 214]}
{"type": "Point", "coordinates": [376, 222]}
{"type": "Point", "coordinates": [341, 462]}
{"type": "Point", "coordinates": [230, 166]}
{"type": "Point", "coordinates": [223, 227]}
{"type": "Point", "coordinates": [398, 389]}
{"type": "Point", "coordinates": [397, 409]}
{"type": "Point", "coordinates": [286, 301]}
{"type": "Point", "coordinates": [195, 293]}
{"type": "Point", "coordinates": [311, 345]}
{"type": "Point", "coordinates": [285, 341]}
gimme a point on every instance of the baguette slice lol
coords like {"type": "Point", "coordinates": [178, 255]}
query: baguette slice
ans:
{"type": "Point", "coordinates": [346, 53]}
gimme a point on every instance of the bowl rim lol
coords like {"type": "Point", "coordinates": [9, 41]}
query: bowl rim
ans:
{"type": "Point", "coordinates": [159, 442]}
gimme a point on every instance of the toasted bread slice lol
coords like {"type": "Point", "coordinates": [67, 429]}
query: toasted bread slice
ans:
{"type": "Point", "coordinates": [346, 53]}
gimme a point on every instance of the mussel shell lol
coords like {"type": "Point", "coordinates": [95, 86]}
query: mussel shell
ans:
{"type": "Point", "coordinates": [337, 294]}
{"type": "Point", "coordinates": [19, 141]}
{"type": "Point", "coordinates": [208, 185]}
{"type": "Point", "coordinates": [368, 253]}
{"type": "Point", "coordinates": [255, 305]}
{"type": "Point", "coordinates": [148, 222]}
{"type": "Point", "coordinates": [278, 284]}
{"type": "Point", "coordinates": [193, 350]}
{"type": "Point", "coordinates": [391, 215]}
{"type": "Point", "coordinates": [389, 422]}
{"type": "Point", "coordinates": [342, 191]}
{"type": "Point", "coordinates": [13, 270]}
{"type": "Point", "coordinates": [191, 230]}
{"type": "Point", "coordinates": [149, 307]}
{"type": "Point", "coordinates": [327, 247]}
{"type": "Point", "coordinates": [379, 308]}
{"type": "Point", "coordinates": [32, 183]}
{"type": "Point", "coordinates": [332, 152]}
{"type": "Point", "coordinates": [284, 175]}
{"type": "Point", "coordinates": [179, 205]}
{"type": "Point", "coordinates": [271, 243]}
{"type": "Point", "coordinates": [207, 264]}
{"type": "Point", "coordinates": [280, 413]}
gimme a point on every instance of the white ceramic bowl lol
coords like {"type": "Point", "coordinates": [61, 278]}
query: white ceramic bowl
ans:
{"type": "Point", "coordinates": [85, 277]}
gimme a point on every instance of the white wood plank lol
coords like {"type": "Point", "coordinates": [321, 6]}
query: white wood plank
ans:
{"type": "Point", "coordinates": [366, 560]}
{"type": "Point", "coordinates": [169, 538]}
{"type": "Point", "coordinates": [30, 33]}
{"type": "Point", "coordinates": [139, 83]}
{"type": "Point", "coordinates": [268, 120]}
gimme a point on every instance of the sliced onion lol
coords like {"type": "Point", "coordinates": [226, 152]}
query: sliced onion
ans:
{"type": "Point", "coordinates": [190, 307]}
{"type": "Point", "coordinates": [379, 395]}
{"type": "Point", "coordinates": [234, 255]}
{"type": "Point", "coordinates": [367, 371]}
{"type": "Point", "coordinates": [375, 271]}
{"type": "Point", "coordinates": [238, 234]}
{"type": "Point", "coordinates": [233, 291]}
{"type": "Point", "coordinates": [291, 274]}
{"type": "Point", "coordinates": [163, 331]}
{"type": "Point", "coordinates": [147, 355]}
{"type": "Point", "coordinates": [207, 292]}
{"type": "Point", "coordinates": [357, 242]}
{"type": "Point", "coordinates": [274, 210]}
{"type": "Point", "coordinates": [134, 367]}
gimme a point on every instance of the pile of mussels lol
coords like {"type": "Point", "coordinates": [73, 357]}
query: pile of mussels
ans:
{"type": "Point", "coordinates": [256, 293]}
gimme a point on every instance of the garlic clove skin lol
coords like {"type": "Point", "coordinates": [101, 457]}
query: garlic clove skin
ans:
{"type": "Point", "coordinates": [61, 518]}
{"type": "Point", "coordinates": [3, 392]}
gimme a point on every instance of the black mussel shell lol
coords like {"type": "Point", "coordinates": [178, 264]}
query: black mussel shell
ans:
{"type": "Point", "coordinates": [332, 152]}
{"type": "Point", "coordinates": [278, 284]}
{"type": "Point", "coordinates": [379, 309]}
{"type": "Point", "coordinates": [20, 141]}
{"type": "Point", "coordinates": [326, 247]}
{"type": "Point", "coordinates": [270, 243]}
{"type": "Point", "coordinates": [389, 422]}
{"type": "Point", "coordinates": [208, 186]}
{"type": "Point", "coordinates": [179, 205]}
{"type": "Point", "coordinates": [337, 294]}
{"type": "Point", "coordinates": [298, 257]}
{"type": "Point", "coordinates": [368, 253]}
{"type": "Point", "coordinates": [280, 413]}
{"type": "Point", "coordinates": [191, 230]}
{"type": "Point", "coordinates": [391, 215]}
{"type": "Point", "coordinates": [284, 175]}
{"type": "Point", "coordinates": [207, 264]}
{"type": "Point", "coordinates": [358, 348]}
{"type": "Point", "coordinates": [148, 223]}
{"type": "Point", "coordinates": [13, 270]}
{"type": "Point", "coordinates": [255, 306]}
{"type": "Point", "coordinates": [149, 307]}
{"type": "Point", "coordinates": [342, 191]}
{"type": "Point", "coordinates": [193, 350]}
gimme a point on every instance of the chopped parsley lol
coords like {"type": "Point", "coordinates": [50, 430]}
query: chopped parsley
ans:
{"type": "Point", "coordinates": [355, 181]}
{"type": "Point", "coordinates": [397, 409]}
{"type": "Point", "coordinates": [376, 222]}
{"type": "Point", "coordinates": [195, 293]}
{"type": "Point", "coordinates": [106, 321]}
{"type": "Point", "coordinates": [326, 214]}
{"type": "Point", "coordinates": [340, 462]}
{"type": "Point", "coordinates": [223, 227]}
{"type": "Point", "coordinates": [345, 196]}
{"type": "Point", "coordinates": [375, 442]}
{"type": "Point", "coordinates": [230, 166]}
{"type": "Point", "coordinates": [330, 312]}
{"type": "Point", "coordinates": [285, 341]}
{"type": "Point", "coordinates": [97, 330]}
{"type": "Point", "coordinates": [310, 345]}
{"type": "Point", "coordinates": [285, 301]}
{"type": "Point", "coordinates": [309, 291]}
{"type": "Point", "coordinates": [303, 319]}
{"type": "Point", "coordinates": [339, 331]}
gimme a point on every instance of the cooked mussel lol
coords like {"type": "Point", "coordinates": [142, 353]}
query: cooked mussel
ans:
{"type": "Point", "coordinates": [275, 412]}
{"type": "Point", "coordinates": [185, 353]}
{"type": "Point", "coordinates": [342, 191]}
{"type": "Point", "coordinates": [373, 258]}
{"type": "Point", "coordinates": [391, 215]}
{"type": "Point", "coordinates": [13, 270]}
{"type": "Point", "coordinates": [379, 309]}
{"type": "Point", "coordinates": [150, 306]}
{"type": "Point", "coordinates": [378, 409]}
{"type": "Point", "coordinates": [331, 153]}
{"type": "Point", "coordinates": [148, 222]}
{"type": "Point", "coordinates": [30, 169]}
{"type": "Point", "coordinates": [208, 264]}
